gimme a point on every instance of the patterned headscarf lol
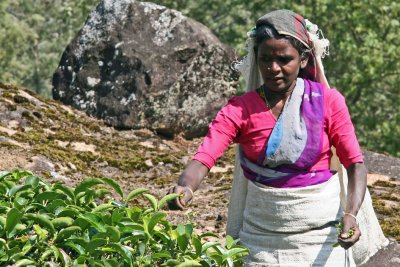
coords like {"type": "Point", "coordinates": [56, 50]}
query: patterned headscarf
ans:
{"type": "Point", "coordinates": [287, 22]}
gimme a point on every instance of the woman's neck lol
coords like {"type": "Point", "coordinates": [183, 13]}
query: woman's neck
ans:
{"type": "Point", "coordinates": [274, 97]}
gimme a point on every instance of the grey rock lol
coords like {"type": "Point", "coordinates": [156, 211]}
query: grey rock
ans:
{"type": "Point", "coordinates": [382, 164]}
{"type": "Point", "coordinates": [141, 65]}
{"type": "Point", "coordinates": [386, 257]}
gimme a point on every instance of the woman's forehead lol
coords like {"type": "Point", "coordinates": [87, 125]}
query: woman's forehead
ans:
{"type": "Point", "coordinates": [279, 46]}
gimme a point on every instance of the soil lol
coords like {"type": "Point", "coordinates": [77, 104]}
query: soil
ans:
{"type": "Point", "coordinates": [58, 143]}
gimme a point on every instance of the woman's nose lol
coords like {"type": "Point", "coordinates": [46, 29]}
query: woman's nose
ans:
{"type": "Point", "coordinates": [274, 66]}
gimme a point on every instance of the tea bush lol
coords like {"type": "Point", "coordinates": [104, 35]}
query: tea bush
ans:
{"type": "Point", "coordinates": [44, 224]}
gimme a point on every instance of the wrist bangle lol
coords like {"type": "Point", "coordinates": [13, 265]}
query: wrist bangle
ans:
{"type": "Point", "coordinates": [352, 215]}
{"type": "Point", "coordinates": [191, 191]}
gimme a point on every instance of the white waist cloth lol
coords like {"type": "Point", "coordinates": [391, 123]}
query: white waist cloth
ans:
{"type": "Point", "coordinates": [296, 226]}
{"type": "Point", "coordinates": [293, 226]}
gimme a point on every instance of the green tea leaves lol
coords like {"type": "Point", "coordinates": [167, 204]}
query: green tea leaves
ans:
{"type": "Point", "coordinates": [54, 225]}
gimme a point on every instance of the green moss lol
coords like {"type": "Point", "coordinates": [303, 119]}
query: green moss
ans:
{"type": "Point", "coordinates": [8, 145]}
{"type": "Point", "coordinates": [389, 196]}
{"type": "Point", "coordinates": [388, 215]}
{"type": "Point", "coordinates": [27, 115]}
{"type": "Point", "coordinates": [384, 184]}
{"type": "Point", "coordinates": [135, 163]}
{"type": "Point", "coordinates": [391, 227]}
{"type": "Point", "coordinates": [167, 159]}
{"type": "Point", "coordinates": [82, 160]}
{"type": "Point", "coordinates": [32, 137]}
{"type": "Point", "coordinates": [11, 107]}
{"type": "Point", "coordinates": [20, 99]}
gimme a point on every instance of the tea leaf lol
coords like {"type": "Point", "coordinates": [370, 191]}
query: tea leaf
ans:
{"type": "Point", "coordinates": [134, 193]}
{"type": "Point", "coordinates": [48, 195]}
{"type": "Point", "coordinates": [46, 254]}
{"type": "Point", "coordinates": [86, 184]}
{"type": "Point", "coordinates": [121, 249]}
{"type": "Point", "coordinates": [152, 200]}
{"type": "Point", "coordinates": [41, 220]}
{"type": "Point", "coordinates": [231, 253]}
{"type": "Point", "coordinates": [103, 207]}
{"type": "Point", "coordinates": [183, 242]}
{"type": "Point", "coordinates": [229, 242]}
{"type": "Point", "coordinates": [95, 244]}
{"type": "Point", "coordinates": [67, 232]}
{"type": "Point", "coordinates": [113, 233]}
{"type": "Point", "coordinates": [94, 221]}
{"type": "Point", "coordinates": [40, 231]}
{"type": "Point", "coordinates": [161, 255]}
{"type": "Point", "coordinates": [154, 220]}
{"type": "Point", "coordinates": [171, 262]}
{"type": "Point", "coordinates": [54, 205]}
{"type": "Point", "coordinates": [197, 245]}
{"type": "Point", "coordinates": [78, 248]}
{"type": "Point", "coordinates": [32, 180]}
{"type": "Point", "coordinates": [189, 263]}
{"type": "Point", "coordinates": [114, 185]}
{"type": "Point", "coordinates": [19, 174]}
{"type": "Point", "coordinates": [66, 190]}
{"type": "Point", "coordinates": [13, 217]}
{"type": "Point", "coordinates": [165, 199]}
{"type": "Point", "coordinates": [62, 222]}
{"type": "Point", "coordinates": [18, 188]}
{"type": "Point", "coordinates": [4, 175]}
{"type": "Point", "coordinates": [24, 262]}
{"type": "Point", "coordinates": [208, 245]}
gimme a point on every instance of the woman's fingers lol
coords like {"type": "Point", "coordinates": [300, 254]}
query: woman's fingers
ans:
{"type": "Point", "coordinates": [350, 233]}
{"type": "Point", "coordinates": [349, 238]}
{"type": "Point", "coordinates": [185, 196]}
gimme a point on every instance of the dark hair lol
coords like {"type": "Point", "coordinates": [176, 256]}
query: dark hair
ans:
{"type": "Point", "coordinates": [267, 31]}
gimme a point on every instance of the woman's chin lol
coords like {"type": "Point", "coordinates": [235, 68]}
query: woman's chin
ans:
{"type": "Point", "coordinates": [277, 86]}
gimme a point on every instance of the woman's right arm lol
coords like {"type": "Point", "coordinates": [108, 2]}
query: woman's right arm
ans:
{"type": "Point", "coordinates": [221, 133]}
{"type": "Point", "coordinates": [188, 182]}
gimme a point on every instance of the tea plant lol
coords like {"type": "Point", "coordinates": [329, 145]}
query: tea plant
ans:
{"type": "Point", "coordinates": [43, 224]}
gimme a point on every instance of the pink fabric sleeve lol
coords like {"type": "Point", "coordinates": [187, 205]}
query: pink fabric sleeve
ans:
{"type": "Point", "coordinates": [221, 133]}
{"type": "Point", "coordinates": [341, 130]}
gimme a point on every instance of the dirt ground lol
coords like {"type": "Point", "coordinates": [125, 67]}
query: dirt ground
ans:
{"type": "Point", "coordinates": [58, 143]}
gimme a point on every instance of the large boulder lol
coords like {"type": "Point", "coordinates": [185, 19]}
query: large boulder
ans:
{"type": "Point", "coordinates": [141, 65]}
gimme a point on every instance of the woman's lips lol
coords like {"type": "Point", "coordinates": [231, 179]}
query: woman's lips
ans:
{"type": "Point", "coordinates": [275, 79]}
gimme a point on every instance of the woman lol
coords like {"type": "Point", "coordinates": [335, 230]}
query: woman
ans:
{"type": "Point", "coordinates": [289, 199]}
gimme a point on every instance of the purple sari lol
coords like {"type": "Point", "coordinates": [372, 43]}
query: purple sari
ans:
{"type": "Point", "coordinates": [295, 143]}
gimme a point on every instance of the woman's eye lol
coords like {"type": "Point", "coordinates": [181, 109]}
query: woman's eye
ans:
{"type": "Point", "coordinates": [285, 60]}
{"type": "Point", "coordinates": [265, 59]}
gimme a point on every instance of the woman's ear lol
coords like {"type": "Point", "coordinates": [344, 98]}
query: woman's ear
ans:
{"type": "Point", "coordinates": [304, 60]}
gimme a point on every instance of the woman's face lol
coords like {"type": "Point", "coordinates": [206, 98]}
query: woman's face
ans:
{"type": "Point", "coordinates": [279, 63]}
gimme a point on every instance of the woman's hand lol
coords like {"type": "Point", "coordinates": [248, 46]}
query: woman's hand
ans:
{"type": "Point", "coordinates": [183, 200]}
{"type": "Point", "coordinates": [188, 182]}
{"type": "Point", "coordinates": [350, 232]}
{"type": "Point", "coordinates": [357, 185]}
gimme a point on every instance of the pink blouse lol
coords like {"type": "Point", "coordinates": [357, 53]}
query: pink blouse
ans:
{"type": "Point", "coordinates": [246, 120]}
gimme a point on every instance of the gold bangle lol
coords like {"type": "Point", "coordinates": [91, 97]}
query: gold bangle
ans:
{"type": "Point", "coordinates": [352, 215]}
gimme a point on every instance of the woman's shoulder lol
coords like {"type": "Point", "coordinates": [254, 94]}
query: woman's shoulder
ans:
{"type": "Point", "coordinates": [333, 95]}
{"type": "Point", "coordinates": [329, 93]}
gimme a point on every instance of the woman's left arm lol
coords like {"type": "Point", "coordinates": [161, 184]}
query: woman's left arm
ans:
{"type": "Point", "coordinates": [342, 136]}
{"type": "Point", "coordinates": [357, 184]}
